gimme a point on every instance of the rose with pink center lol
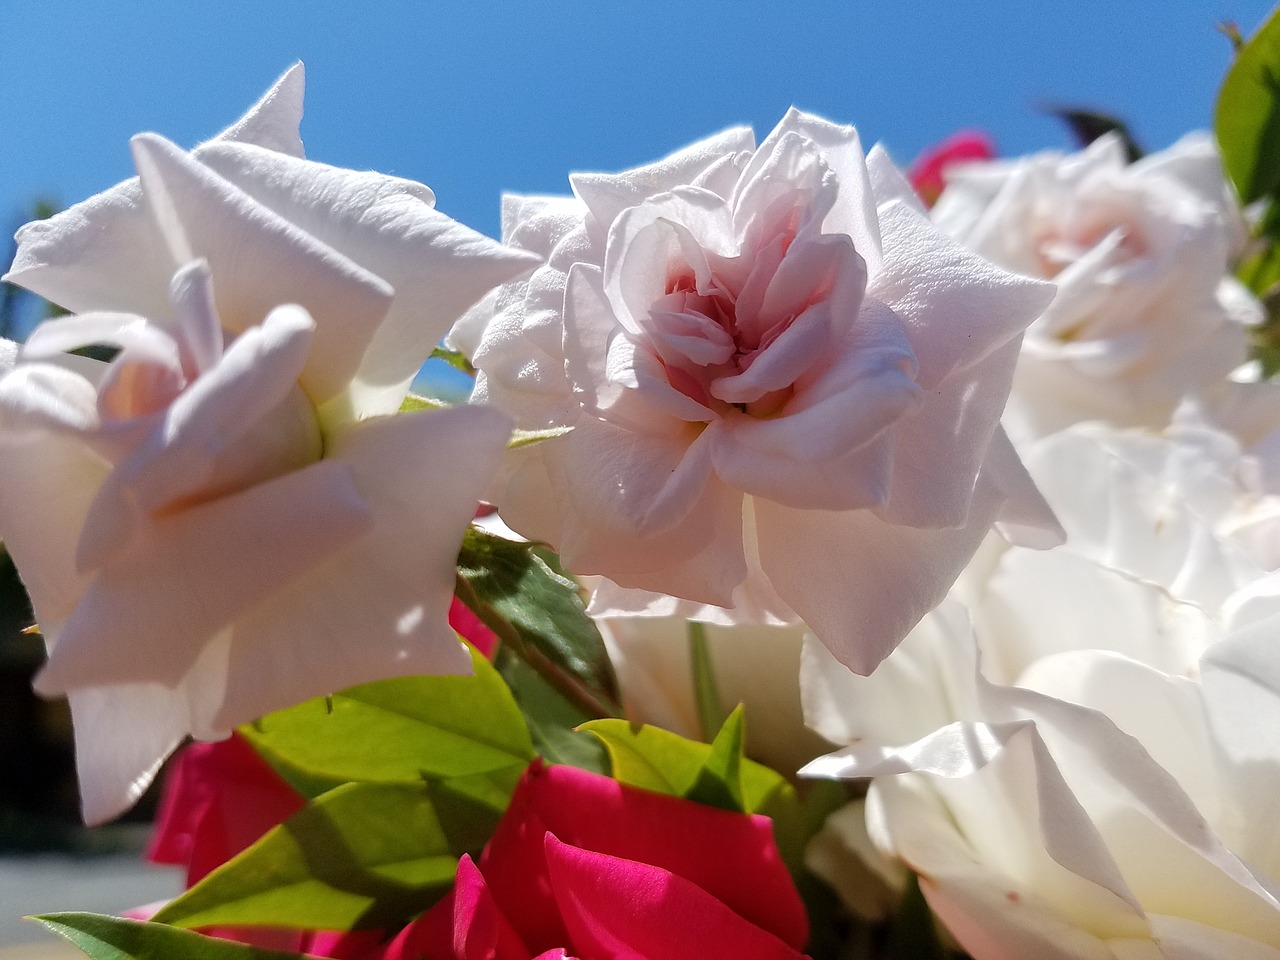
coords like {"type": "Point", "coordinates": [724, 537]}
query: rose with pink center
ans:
{"type": "Point", "coordinates": [784, 386]}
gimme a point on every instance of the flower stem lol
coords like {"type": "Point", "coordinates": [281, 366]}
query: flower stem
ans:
{"type": "Point", "coordinates": [706, 695]}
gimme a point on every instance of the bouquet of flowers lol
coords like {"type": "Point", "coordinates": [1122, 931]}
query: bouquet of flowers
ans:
{"type": "Point", "coordinates": [830, 562]}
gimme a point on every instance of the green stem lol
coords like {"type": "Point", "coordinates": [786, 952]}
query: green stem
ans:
{"type": "Point", "coordinates": [706, 695]}
{"type": "Point", "coordinates": [563, 681]}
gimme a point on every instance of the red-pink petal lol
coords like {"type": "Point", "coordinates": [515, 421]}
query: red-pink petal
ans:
{"type": "Point", "coordinates": [634, 911]}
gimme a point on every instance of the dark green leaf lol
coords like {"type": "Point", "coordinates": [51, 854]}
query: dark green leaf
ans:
{"type": "Point", "coordinates": [1088, 125]}
{"type": "Point", "coordinates": [552, 719]}
{"type": "Point", "coordinates": [912, 934]}
{"type": "Point", "coordinates": [362, 855]}
{"type": "Point", "coordinates": [397, 730]}
{"type": "Point", "coordinates": [110, 938]}
{"type": "Point", "coordinates": [1247, 119]}
{"type": "Point", "coordinates": [538, 612]}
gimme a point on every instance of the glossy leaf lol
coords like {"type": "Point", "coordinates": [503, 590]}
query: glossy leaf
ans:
{"type": "Point", "coordinates": [719, 782]}
{"type": "Point", "coordinates": [363, 855]}
{"type": "Point", "coordinates": [1247, 119]}
{"type": "Point", "coordinates": [537, 612]}
{"type": "Point", "coordinates": [110, 938]}
{"type": "Point", "coordinates": [659, 760]}
{"type": "Point", "coordinates": [396, 730]}
{"type": "Point", "coordinates": [552, 719]}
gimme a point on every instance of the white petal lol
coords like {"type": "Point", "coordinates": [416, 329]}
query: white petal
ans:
{"type": "Point", "coordinates": [437, 266]}
{"type": "Point", "coordinates": [379, 607]}
{"type": "Point", "coordinates": [273, 121]}
{"type": "Point", "coordinates": [607, 195]}
{"type": "Point", "coordinates": [204, 429]}
{"type": "Point", "coordinates": [967, 309]}
{"type": "Point", "coordinates": [148, 615]}
{"type": "Point", "coordinates": [104, 253]}
{"type": "Point", "coordinates": [262, 261]}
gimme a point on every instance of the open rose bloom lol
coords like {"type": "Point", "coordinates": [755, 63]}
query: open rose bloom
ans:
{"type": "Point", "coordinates": [1078, 760]}
{"type": "Point", "coordinates": [222, 520]}
{"type": "Point", "coordinates": [1146, 312]}
{"type": "Point", "coordinates": [784, 385]}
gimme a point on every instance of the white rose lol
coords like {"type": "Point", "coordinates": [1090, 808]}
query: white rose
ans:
{"type": "Point", "coordinates": [784, 384]}
{"type": "Point", "coordinates": [1145, 312]}
{"type": "Point", "coordinates": [220, 522]}
{"type": "Point", "coordinates": [1024, 811]}
{"type": "Point", "coordinates": [755, 665]}
{"type": "Point", "coordinates": [1099, 809]}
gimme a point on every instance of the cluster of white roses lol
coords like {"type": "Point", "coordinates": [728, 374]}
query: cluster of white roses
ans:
{"type": "Point", "coordinates": [1076, 750]}
{"type": "Point", "coordinates": [778, 383]}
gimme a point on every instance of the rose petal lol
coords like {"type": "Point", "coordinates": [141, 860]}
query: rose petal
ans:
{"type": "Point", "coordinates": [634, 911]}
{"type": "Point", "coordinates": [261, 261]}
{"type": "Point", "coordinates": [147, 615]}
{"type": "Point", "coordinates": [608, 194]}
{"type": "Point", "coordinates": [104, 254]}
{"type": "Point", "coordinates": [969, 308]}
{"type": "Point", "coordinates": [206, 421]}
{"type": "Point", "coordinates": [379, 607]}
{"type": "Point", "coordinates": [437, 266]}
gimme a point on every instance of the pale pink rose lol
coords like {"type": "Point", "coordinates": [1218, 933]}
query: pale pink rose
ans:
{"type": "Point", "coordinates": [1146, 311]}
{"type": "Point", "coordinates": [222, 521]}
{"type": "Point", "coordinates": [784, 385]}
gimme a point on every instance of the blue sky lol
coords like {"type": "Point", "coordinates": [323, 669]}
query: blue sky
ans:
{"type": "Point", "coordinates": [478, 97]}
{"type": "Point", "coordinates": [475, 98]}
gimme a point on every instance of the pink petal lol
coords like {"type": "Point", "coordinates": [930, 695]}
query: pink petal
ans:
{"type": "Point", "coordinates": [730, 856]}
{"type": "Point", "coordinates": [967, 310]}
{"type": "Point", "coordinates": [608, 194]}
{"type": "Point", "coordinates": [634, 911]}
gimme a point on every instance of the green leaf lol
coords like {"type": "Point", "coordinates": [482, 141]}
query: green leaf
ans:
{"type": "Point", "coordinates": [539, 613]}
{"type": "Point", "coordinates": [1247, 120]}
{"type": "Point", "coordinates": [110, 938]}
{"type": "Point", "coordinates": [719, 782]}
{"type": "Point", "coordinates": [362, 855]}
{"type": "Point", "coordinates": [665, 762]}
{"type": "Point", "coordinates": [912, 933]}
{"type": "Point", "coordinates": [397, 730]}
{"type": "Point", "coordinates": [413, 403]}
{"type": "Point", "coordinates": [455, 359]}
{"type": "Point", "coordinates": [706, 694]}
{"type": "Point", "coordinates": [553, 720]}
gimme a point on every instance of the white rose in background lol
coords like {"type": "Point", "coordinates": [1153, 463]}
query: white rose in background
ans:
{"type": "Point", "coordinates": [220, 521]}
{"type": "Point", "coordinates": [1039, 827]}
{"type": "Point", "coordinates": [784, 384]}
{"type": "Point", "coordinates": [1145, 313]}
{"type": "Point", "coordinates": [755, 665]}
{"type": "Point", "coordinates": [1099, 809]}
